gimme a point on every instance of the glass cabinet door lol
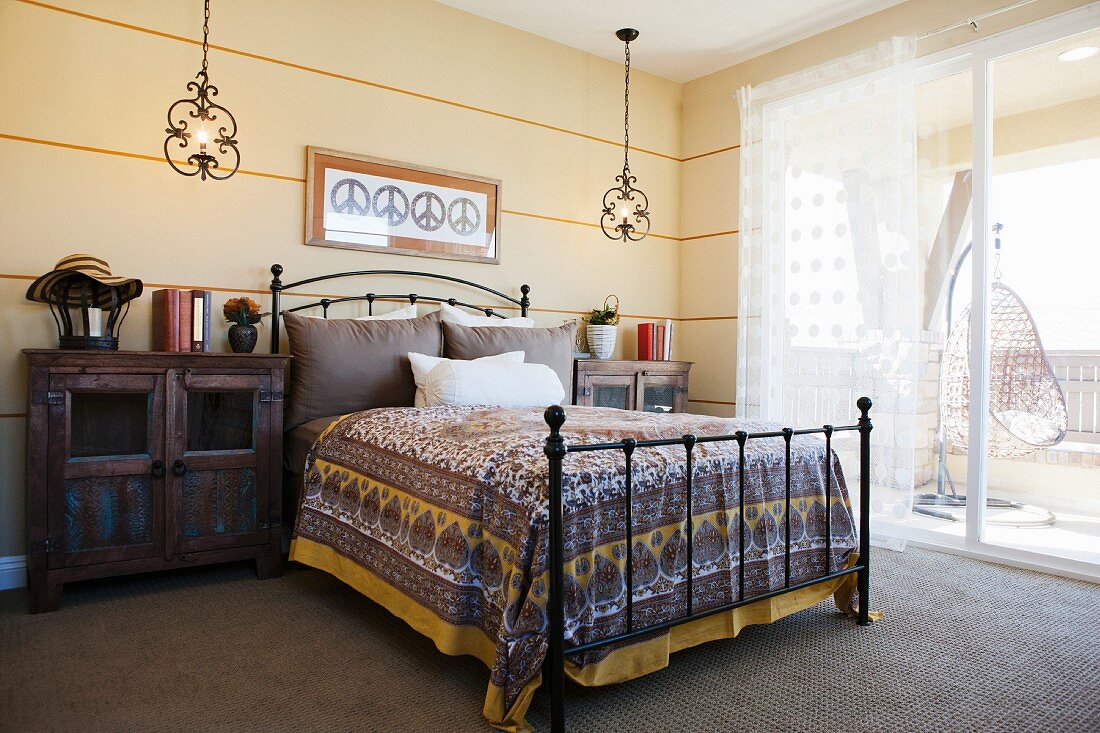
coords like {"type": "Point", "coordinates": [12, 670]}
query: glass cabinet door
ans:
{"type": "Point", "coordinates": [220, 484]}
{"type": "Point", "coordinates": [662, 393]}
{"type": "Point", "coordinates": [610, 390]}
{"type": "Point", "coordinates": [106, 500]}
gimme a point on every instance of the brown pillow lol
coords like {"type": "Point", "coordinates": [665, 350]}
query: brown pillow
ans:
{"type": "Point", "coordinates": [550, 346]}
{"type": "Point", "coordinates": [346, 365]}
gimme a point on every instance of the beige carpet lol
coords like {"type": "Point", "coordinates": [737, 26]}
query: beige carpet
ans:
{"type": "Point", "coordinates": [965, 646]}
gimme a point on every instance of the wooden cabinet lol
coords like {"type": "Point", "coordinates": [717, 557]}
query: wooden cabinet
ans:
{"type": "Point", "coordinates": [140, 461]}
{"type": "Point", "coordinates": [653, 386]}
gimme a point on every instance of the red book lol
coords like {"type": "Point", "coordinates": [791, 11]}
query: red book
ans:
{"type": "Point", "coordinates": [660, 333]}
{"type": "Point", "coordinates": [166, 318]}
{"type": "Point", "coordinates": [645, 341]}
{"type": "Point", "coordinates": [185, 320]}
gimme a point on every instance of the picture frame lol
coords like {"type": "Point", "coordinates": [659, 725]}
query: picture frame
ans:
{"type": "Point", "coordinates": [374, 204]}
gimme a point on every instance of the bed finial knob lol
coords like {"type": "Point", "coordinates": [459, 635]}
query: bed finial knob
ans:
{"type": "Point", "coordinates": [864, 405]}
{"type": "Point", "coordinates": [277, 270]}
{"type": "Point", "coordinates": [555, 444]}
{"type": "Point", "coordinates": [524, 302]}
{"type": "Point", "coordinates": [555, 417]}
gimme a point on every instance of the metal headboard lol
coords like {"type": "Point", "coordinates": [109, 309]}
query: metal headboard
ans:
{"type": "Point", "coordinates": [277, 288]}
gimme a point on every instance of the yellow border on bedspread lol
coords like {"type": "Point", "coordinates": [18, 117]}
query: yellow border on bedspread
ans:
{"type": "Point", "coordinates": [620, 665]}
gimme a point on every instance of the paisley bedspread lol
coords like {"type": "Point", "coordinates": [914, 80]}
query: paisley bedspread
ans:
{"type": "Point", "coordinates": [440, 515]}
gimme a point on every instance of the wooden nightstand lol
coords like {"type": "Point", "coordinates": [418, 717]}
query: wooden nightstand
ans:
{"type": "Point", "coordinates": [140, 461]}
{"type": "Point", "coordinates": [653, 386]}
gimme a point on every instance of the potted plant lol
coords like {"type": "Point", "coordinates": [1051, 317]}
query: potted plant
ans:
{"type": "Point", "coordinates": [601, 328]}
{"type": "Point", "coordinates": [244, 314]}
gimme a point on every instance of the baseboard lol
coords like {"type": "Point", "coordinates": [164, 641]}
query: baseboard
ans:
{"type": "Point", "coordinates": [13, 572]}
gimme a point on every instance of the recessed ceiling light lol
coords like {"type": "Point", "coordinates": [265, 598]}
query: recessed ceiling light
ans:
{"type": "Point", "coordinates": [1078, 54]}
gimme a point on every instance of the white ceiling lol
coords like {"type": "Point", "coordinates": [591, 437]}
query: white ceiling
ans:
{"type": "Point", "coordinates": [680, 39]}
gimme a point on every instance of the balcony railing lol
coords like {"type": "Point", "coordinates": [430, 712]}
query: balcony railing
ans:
{"type": "Point", "coordinates": [1079, 374]}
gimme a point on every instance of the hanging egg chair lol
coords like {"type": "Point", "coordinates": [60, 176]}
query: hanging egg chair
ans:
{"type": "Point", "coordinates": [1027, 410]}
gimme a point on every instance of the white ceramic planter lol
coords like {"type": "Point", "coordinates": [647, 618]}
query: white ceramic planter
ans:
{"type": "Point", "coordinates": [601, 340]}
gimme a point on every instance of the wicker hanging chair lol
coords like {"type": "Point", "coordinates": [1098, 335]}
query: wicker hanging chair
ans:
{"type": "Point", "coordinates": [1027, 409]}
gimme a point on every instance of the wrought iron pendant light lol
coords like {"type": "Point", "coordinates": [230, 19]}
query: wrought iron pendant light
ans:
{"type": "Point", "coordinates": [210, 119]}
{"type": "Point", "coordinates": [624, 202]}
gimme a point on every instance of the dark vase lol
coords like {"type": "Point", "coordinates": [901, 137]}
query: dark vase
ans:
{"type": "Point", "coordinates": [242, 339]}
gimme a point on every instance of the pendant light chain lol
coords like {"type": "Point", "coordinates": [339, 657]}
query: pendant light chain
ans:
{"type": "Point", "coordinates": [626, 113]}
{"type": "Point", "coordinates": [205, 33]}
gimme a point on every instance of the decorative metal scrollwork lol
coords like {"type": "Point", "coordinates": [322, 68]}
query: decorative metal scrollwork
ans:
{"type": "Point", "coordinates": [617, 211]}
{"type": "Point", "coordinates": [623, 201]}
{"type": "Point", "coordinates": [207, 115]}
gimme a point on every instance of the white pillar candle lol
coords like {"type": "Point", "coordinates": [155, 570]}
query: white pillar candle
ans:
{"type": "Point", "coordinates": [95, 322]}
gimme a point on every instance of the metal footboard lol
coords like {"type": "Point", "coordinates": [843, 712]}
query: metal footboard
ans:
{"type": "Point", "coordinates": [556, 450]}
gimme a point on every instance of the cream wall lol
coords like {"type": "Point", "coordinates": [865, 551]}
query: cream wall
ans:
{"type": "Point", "coordinates": [711, 138]}
{"type": "Point", "coordinates": [72, 81]}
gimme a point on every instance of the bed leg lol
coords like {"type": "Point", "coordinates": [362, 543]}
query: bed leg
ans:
{"type": "Point", "coordinates": [555, 662]}
{"type": "Point", "coordinates": [864, 576]}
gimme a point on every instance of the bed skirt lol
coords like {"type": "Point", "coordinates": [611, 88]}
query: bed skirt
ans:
{"type": "Point", "coordinates": [622, 664]}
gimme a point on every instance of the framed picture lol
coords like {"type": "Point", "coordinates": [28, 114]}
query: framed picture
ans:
{"type": "Point", "coordinates": [359, 202]}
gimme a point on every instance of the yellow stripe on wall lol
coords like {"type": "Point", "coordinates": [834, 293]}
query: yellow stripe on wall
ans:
{"type": "Point", "coordinates": [296, 179]}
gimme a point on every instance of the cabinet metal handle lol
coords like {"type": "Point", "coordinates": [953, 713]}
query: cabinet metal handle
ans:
{"type": "Point", "coordinates": [157, 469]}
{"type": "Point", "coordinates": [179, 468]}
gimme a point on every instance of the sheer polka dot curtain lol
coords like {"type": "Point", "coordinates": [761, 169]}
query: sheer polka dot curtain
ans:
{"type": "Point", "coordinates": [829, 274]}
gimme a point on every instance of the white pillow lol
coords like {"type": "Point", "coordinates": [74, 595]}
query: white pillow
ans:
{"type": "Point", "coordinates": [401, 314]}
{"type": "Point", "coordinates": [422, 364]}
{"type": "Point", "coordinates": [500, 383]}
{"type": "Point", "coordinates": [462, 318]}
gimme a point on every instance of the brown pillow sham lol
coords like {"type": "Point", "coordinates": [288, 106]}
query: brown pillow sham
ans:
{"type": "Point", "coordinates": [550, 346]}
{"type": "Point", "coordinates": [346, 365]}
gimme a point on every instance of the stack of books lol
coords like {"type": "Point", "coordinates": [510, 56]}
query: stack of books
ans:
{"type": "Point", "coordinates": [655, 341]}
{"type": "Point", "coordinates": [181, 319]}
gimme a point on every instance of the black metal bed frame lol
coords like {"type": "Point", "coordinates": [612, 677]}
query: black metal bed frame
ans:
{"type": "Point", "coordinates": [556, 449]}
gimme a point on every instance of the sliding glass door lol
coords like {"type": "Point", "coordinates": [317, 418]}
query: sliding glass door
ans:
{"type": "Point", "coordinates": [1008, 451]}
{"type": "Point", "coordinates": [1043, 437]}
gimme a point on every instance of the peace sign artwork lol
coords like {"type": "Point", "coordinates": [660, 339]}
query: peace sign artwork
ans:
{"type": "Point", "coordinates": [361, 202]}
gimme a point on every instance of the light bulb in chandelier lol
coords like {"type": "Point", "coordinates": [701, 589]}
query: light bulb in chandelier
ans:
{"type": "Point", "coordinates": [618, 201]}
